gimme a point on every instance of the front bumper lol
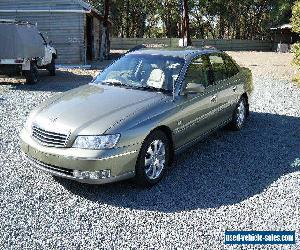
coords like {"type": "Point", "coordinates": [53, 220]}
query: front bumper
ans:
{"type": "Point", "coordinates": [63, 161]}
{"type": "Point", "coordinates": [56, 171]}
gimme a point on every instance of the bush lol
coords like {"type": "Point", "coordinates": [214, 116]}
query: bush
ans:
{"type": "Point", "coordinates": [296, 17]}
{"type": "Point", "coordinates": [296, 28]}
{"type": "Point", "coordinates": [296, 51]}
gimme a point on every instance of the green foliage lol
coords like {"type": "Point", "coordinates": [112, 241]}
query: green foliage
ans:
{"type": "Point", "coordinates": [296, 28]}
{"type": "Point", "coordinates": [281, 12]}
{"type": "Point", "coordinates": [231, 19]}
{"type": "Point", "coordinates": [296, 17]}
{"type": "Point", "coordinates": [296, 51]}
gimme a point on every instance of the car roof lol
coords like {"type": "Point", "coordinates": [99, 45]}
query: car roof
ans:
{"type": "Point", "coordinates": [182, 52]}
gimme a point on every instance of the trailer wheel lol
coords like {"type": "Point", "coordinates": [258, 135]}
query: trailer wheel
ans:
{"type": "Point", "coordinates": [51, 67]}
{"type": "Point", "coordinates": [32, 75]}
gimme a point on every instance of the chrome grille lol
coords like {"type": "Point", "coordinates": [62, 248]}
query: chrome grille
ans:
{"type": "Point", "coordinates": [48, 138]}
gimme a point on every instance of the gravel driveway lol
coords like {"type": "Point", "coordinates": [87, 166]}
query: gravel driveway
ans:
{"type": "Point", "coordinates": [246, 180]}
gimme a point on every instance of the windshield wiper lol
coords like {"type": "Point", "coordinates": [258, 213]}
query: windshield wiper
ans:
{"type": "Point", "coordinates": [114, 82]}
{"type": "Point", "coordinates": [151, 88]}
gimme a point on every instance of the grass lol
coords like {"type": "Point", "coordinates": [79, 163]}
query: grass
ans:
{"type": "Point", "coordinates": [296, 80]}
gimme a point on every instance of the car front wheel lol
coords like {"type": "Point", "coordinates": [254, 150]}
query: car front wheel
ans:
{"type": "Point", "coordinates": [153, 159]}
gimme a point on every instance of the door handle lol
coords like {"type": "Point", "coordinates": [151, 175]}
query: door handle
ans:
{"type": "Point", "coordinates": [234, 88]}
{"type": "Point", "coordinates": [214, 98]}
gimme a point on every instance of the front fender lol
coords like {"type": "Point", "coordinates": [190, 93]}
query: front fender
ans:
{"type": "Point", "coordinates": [134, 130]}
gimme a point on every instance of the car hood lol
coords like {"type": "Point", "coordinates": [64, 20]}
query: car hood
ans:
{"type": "Point", "coordinates": [93, 109]}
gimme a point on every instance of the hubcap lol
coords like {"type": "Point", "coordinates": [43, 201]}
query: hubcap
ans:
{"type": "Point", "coordinates": [155, 159]}
{"type": "Point", "coordinates": [241, 114]}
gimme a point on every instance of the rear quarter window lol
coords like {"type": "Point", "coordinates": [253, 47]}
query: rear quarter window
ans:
{"type": "Point", "coordinates": [231, 67]}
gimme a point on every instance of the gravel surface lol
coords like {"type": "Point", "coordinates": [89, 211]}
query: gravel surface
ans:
{"type": "Point", "coordinates": [246, 180]}
{"type": "Point", "coordinates": [274, 65]}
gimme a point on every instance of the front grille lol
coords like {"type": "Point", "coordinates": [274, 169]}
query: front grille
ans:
{"type": "Point", "coordinates": [50, 139]}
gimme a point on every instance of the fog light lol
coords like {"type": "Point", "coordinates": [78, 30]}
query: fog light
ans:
{"type": "Point", "coordinates": [95, 175]}
{"type": "Point", "coordinates": [101, 174]}
{"type": "Point", "coordinates": [105, 173]}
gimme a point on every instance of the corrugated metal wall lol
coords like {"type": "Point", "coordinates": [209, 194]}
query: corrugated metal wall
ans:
{"type": "Point", "coordinates": [39, 4]}
{"type": "Point", "coordinates": [65, 30]}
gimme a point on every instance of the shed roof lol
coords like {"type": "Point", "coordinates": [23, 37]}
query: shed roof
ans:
{"type": "Point", "coordinates": [49, 6]}
{"type": "Point", "coordinates": [45, 6]}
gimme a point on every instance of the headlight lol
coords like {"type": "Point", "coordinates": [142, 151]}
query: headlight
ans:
{"type": "Point", "coordinates": [96, 142]}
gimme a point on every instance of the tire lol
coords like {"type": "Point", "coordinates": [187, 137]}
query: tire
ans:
{"type": "Point", "coordinates": [32, 75]}
{"type": "Point", "coordinates": [157, 144]}
{"type": "Point", "coordinates": [51, 67]}
{"type": "Point", "coordinates": [239, 115]}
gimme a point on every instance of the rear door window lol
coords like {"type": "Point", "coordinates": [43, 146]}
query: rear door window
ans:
{"type": "Point", "coordinates": [218, 67]}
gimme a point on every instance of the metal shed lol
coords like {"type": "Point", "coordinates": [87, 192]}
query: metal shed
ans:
{"type": "Point", "coordinates": [283, 37]}
{"type": "Point", "coordinates": [73, 26]}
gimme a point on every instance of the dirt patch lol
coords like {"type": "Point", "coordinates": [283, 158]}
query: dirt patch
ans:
{"type": "Point", "coordinates": [275, 65]}
{"type": "Point", "coordinates": [64, 80]}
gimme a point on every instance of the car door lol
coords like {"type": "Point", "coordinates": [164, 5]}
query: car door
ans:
{"type": "Point", "coordinates": [234, 81]}
{"type": "Point", "coordinates": [224, 87]}
{"type": "Point", "coordinates": [195, 110]}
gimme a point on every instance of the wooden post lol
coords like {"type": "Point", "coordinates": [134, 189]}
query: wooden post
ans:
{"type": "Point", "coordinates": [105, 42]}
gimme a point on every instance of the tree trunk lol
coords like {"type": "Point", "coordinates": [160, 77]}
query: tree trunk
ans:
{"type": "Point", "coordinates": [222, 28]}
{"type": "Point", "coordinates": [238, 23]}
{"type": "Point", "coordinates": [127, 19]}
{"type": "Point", "coordinates": [186, 24]}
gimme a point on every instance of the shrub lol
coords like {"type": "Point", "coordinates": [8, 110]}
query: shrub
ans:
{"type": "Point", "coordinates": [296, 51]}
{"type": "Point", "coordinates": [296, 17]}
{"type": "Point", "coordinates": [296, 28]}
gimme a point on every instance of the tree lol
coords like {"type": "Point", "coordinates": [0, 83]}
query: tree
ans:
{"type": "Point", "coordinates": [296, 28]}
{"type": "Point", "coordinates": [169, 12]}
{"type": "Point", "coordinates": [281, 12]}
{"type": "Point", "coordinates": [295, 20]}
{"type": "Point", "coordinates": [231, 19]}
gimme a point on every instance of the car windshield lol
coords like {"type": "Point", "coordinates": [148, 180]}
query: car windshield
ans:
{"type": "Point", "coordinates": [144, 71]}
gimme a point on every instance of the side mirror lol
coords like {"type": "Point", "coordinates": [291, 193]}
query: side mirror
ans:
{"type": "Point", "coordinates": [192, 88]}
{"type": "Point", "coordinates": [94, 79]}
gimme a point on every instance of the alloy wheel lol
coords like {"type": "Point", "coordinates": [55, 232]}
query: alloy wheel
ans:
{"type": "Point", "coordinates": [155, 159]}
